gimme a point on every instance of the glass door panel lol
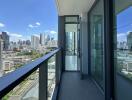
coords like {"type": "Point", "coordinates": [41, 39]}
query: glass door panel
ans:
{"type": "Point", "coordinates": [71, 47]}
{"type": "Point", "coordinates": [97, 42]}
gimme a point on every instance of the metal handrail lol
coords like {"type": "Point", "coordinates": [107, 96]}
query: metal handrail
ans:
{"type": "Point", "coordinates": [11, 80]}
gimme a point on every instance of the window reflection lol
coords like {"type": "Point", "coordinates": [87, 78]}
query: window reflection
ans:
{"type": "Point", "coordinates": [123, 49]}
{"type": "Point", "coordinates": [124, 43]}
{"type": "Point", "coordinates": [97, 37]}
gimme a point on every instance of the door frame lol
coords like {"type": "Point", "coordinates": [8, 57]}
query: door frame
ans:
{"type": "Point", "coordinates": [64, 69]}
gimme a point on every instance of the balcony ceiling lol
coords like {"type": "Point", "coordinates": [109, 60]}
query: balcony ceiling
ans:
{"type": "Point", "coordinates": [122, 5]}
{"type": "Point", "coordinates": [73, 7]}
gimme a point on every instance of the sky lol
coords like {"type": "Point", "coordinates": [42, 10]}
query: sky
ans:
{"type": "Point", "coordinates": [124, 24]}
{"type": "Point", "coordinates": [23, 18]}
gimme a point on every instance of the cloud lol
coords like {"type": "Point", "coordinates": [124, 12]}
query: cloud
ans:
{"type": "Point", "coordinates": [37, 24]}
{"type": "Point", "coordinates": [2, 25]}
{"type": "Point", "coordinates": [121, 34]}
{"type": "Point", "coordinates": [37, 35]}
{"type": "Point", "coordinates": [53, 32]}
{"type": "Point", "coordinates": [50, 32]}
{"type": "Point", "coordinates": [15, 35]}
{"type": "Point", "coordinates": [32, 26]}
{"type": "Point", "coordinates": [122, 37]}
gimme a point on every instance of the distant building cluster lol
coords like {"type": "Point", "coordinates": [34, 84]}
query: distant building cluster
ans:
{"type": "Point", "coordinates": [42, 41]}
{"type": "Point", "coordinates": [126, 44]}
{"type": "Point", "coordinates": [122, 45]}
{"type": "Point", "coordinates": [36, 42]}
{"type": "Point", "coordinates": [20, 45]}
{"type": "Point", "coordinates": [10, 49]}
{"type": "Point", "coordinates": [124, 55]}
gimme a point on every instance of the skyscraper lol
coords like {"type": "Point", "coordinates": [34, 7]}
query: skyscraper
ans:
{"type": "Point", "coordinates": [129, 40]}
{"type": "Point", "coordinates": [5, 38]}
{"type": "Point", "coordinates": [42, 39]}
{"type": "Point", "coordinates": [1, 65]}
{"type": "Point", "coordinates": [28, 42]}
{"type": "Point", "coordinates": [34, 42]}
{"type": "Point", "coordinates": [48, 38]}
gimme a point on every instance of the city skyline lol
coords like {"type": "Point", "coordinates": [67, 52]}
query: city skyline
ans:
{"type": "Point", "coordinates": [23, 18]}
{"type": "Point", "coordinates": [16, 37]}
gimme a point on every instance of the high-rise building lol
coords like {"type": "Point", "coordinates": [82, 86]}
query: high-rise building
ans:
{"type": "Point", "coordinates": [42, 39]}
{"type": "Point", "coordinates": [5, 38]}
{"type": "Point", "coordinates": [34, 42]}
{"type": "Point", "coordinates": [48, 38]}
{"type": "Point", "coordinates": [28, 42]}
{"type": "Point", "coordinates": [1, 65]}
{"type": "Point", "coordinates": [52, 38]}
{"type": "Point", "coordinates": [129, 40]}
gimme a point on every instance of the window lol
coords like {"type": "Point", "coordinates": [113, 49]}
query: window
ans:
{"type": "Point", "coordinates": [97, 37]}
{"type": "Point", "coordinates": [71, 33]}
{"type": "Point", "coordinates": [123, 49]}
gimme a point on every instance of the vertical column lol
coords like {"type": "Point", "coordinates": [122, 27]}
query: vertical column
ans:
{"type": "Point", "coordinates": [58, 67]}
{"type": "Point", "coordinates": [109, 55]}
{"type": "Point", "coordinates": [61, 38]}
{"type": "Point", "coordinates": [43, 80]}
{"type": "Point", "coordinates": [84, 44]}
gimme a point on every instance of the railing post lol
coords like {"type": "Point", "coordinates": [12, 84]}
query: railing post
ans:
{"type": "Point", "coordinates": [43, 80]}
{"type": "Point", "coordinates": [58, 67]}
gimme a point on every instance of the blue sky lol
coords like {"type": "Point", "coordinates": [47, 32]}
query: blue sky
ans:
{"type": "Point", "coordinates": [22, 18]}
{"type": "Point", "coordinates": [124, 24]}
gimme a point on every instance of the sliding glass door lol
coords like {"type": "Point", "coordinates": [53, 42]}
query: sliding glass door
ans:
{"type": "Point", "coordinates": [71, 44]}
{"type": "Point", "coordinates": [97, 43]}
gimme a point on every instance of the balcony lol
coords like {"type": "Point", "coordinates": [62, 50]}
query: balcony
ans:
{"type": "Point", "coordinates": [68, 85]}
{"type": "Point", "coordinates": [34, 78]}
{"type": "Point", "coordinates": [93, 61]}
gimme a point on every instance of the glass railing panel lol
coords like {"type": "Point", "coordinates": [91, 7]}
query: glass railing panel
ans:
{"type": "Point", "coordinates": [12, 60]}
{"type": "Point", "coordinates": [39, 83]}
{"type": "Point", "coordinates": [26, 90]}
{"type": "Point", "coordinates": [51, 77]}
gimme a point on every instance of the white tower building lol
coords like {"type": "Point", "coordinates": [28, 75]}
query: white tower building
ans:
{"type": "Point", "coordinates": [34, 42]}
{"type": "Point", "coordinates": [1, 64]}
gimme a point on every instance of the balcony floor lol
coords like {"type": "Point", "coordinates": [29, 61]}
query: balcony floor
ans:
{"type": "Point", "coordinates": [73, 88]}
